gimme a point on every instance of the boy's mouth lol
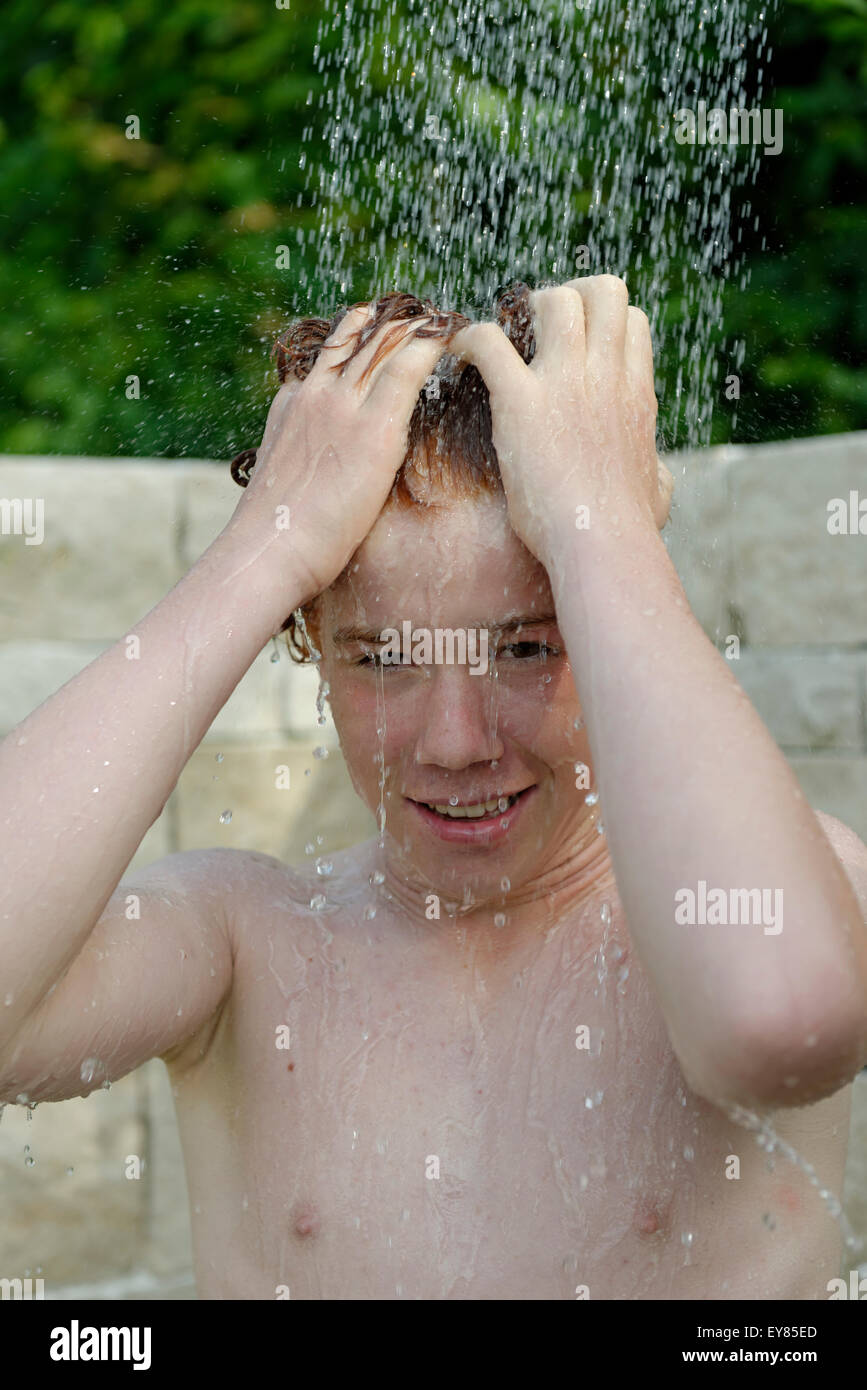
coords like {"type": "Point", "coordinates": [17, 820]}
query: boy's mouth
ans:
{"type": "Point", "coordinates": [477, 810]}
{"type": "Point", "coordinates": [474, 824]}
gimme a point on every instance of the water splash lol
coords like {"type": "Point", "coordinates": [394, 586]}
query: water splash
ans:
{"type": "Point", "coordinates": [464, 145]}
{"type": "Point", "coordinates": [767, 1138]}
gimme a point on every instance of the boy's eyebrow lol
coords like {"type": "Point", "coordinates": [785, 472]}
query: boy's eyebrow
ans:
{"type": "Point", "coordinates": [524, 620]}
{"type": "Point", "coordinates": [365, 634]}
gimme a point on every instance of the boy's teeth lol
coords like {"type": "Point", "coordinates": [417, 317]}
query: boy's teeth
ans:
{"type": "Point", "coordinates": [479, 808]}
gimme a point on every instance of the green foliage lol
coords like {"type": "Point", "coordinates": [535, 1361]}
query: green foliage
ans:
{"type": "Point", "coordinates": [156, 256]}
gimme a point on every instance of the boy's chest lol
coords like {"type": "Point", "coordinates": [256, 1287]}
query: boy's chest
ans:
{"type": "Point", "coordinates": [455, 1144]}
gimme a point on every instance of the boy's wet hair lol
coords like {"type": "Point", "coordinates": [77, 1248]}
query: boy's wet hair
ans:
{"type": "Point", "coordinates": [450, 443]}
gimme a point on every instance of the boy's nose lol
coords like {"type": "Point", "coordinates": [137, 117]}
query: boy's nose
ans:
{"type": "Point", "coordinates": [459, 720]}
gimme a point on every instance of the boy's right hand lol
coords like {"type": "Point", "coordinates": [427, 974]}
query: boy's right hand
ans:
{"type": "Point", "coordinates": [332, 446]}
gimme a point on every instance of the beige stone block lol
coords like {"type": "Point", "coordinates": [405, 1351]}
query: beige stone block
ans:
{"type": "Point", "coordinates": [319, 801]}
{"type": "Point", "coordinates": [85, 1224]}
{"type": "Point", "coordinates": [855, 1184]}
{"type": "Point", "coordinates": [109, 551]}
{"type": "Point", "coordinates": [793, 583]}
{"type": "Point", "coordinates": [837, 786]}
{"type": "Point", "coordinates": [698, 534]}
{"type": "Point", "coordinates": [169, 1254]}
{"type": "Point", "coordinates": [807, 699]}
{"type": "Point", "coordinates": [207, 498]}
{"type": "Point", "coordinates": [32, 670]}
{"type": "Point", "coordinates": [256, 706]}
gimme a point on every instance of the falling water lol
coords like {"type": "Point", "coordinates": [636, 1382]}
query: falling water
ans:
{"type": "Point", "coordinates": [470, 144]}
{"type": "Point", "coordinates": [768, 1139]}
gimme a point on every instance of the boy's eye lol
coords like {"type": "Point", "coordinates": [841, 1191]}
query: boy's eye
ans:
{"type": "Point", "coordinates": [523, 651]}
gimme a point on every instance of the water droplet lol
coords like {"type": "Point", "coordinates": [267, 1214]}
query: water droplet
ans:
{"type": "Point", "coordinates": [30, 1160]}
{"type": "Point", "coordinates": [376, 878]}
{"type": "Point", "coordinates": [69, 1172]}
{"type": "Point", "coordinates": [505, 885]}
{"type": "Point", "coordinates": [369, 911]}
{"type": "Point", "coordinates": [324, 867]}
{"type": "Point", "coordinates": [310, 848]}
{"type": "Point", "coordinates": [9, 998]}
{"type": "Point", "coordinates": [320, 752]}
{"type": "Point", "coordinates": [503, 803]}
{"type": "Point", "coordinates": [605, 913]}
{"type": "Point", "coordinates": [218, 757]}
{"type": "Point", "coordinates": [591, 798]}
{"type": "Point", "coordinates": [324, 692]}
{"type": "Point", "coordinates": [688, 1153]}
{"type": "Point", "coordinates": [769, 1220]}
{"type": "Point", "coordinates": [577, 724]}
{"type": "Point", "coordinates": [686, 1238]}
{"type": "Point", "coordinates": [89, 1068]}
{"type": "Point", "coordinates": [225, 817]}
{"type": "Point", "coordinates": [453, 801]}
{"type": "Point", "coordinates": [318, 901]}
{"type": "Point", "coordinates": [499, 919]}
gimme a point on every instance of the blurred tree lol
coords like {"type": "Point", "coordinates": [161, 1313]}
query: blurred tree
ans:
{"type": "Point", "coordinates": [156, 257]}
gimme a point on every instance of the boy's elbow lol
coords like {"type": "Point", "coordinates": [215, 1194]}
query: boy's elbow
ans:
{"type": "Point", "coordinates": [777, 1062]}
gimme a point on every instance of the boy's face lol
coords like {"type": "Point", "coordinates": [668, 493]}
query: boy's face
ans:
{"type": "Point", "coordinates": [449, 731]}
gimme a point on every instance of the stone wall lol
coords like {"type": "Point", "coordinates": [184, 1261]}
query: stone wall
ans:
{"type": "Point", "coordinates": [750, 540]}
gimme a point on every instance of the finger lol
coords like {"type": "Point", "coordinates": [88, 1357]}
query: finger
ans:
{"type": "Point", "coordinates": [639, 347]}
{"type": "Point", "coordinates": [490, 351]}
{"type": "Point", "coordinates": [277, 412]}
{"type": "Point", "coordinates": [606, 299]}
{"type": "Point", "coordinates": [340, 344]}
{"type": "Point", "coordinates": [558, 323]}
{"type": "Point", "coordinates": [395, 382]}
{"type": "Point", "coordinates": [664, 496]}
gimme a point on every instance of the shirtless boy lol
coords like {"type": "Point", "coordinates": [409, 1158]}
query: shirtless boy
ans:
{"type": "Point", "coordinates": [531, 1094]}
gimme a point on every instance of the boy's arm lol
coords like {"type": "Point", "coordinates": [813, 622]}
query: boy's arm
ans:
{"type": "Point", "coordinates": [90, 968]}
{"type": "Point", "coordinates": [84, 777]}
{"type": "Point", "coordinates": [692, 787]}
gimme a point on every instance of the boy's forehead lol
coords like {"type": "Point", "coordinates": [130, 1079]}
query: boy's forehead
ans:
{"type": "Point", "coordinates": [464, 554]}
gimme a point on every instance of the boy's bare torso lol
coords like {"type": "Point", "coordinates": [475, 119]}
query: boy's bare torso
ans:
{"type": "Point", "coordinates": [562, 1172]}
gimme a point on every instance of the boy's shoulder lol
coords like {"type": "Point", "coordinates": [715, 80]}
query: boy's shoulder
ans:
{"type": "Point", "coordinates": [253, 886]}
{"type": "Point", "coordinates": [850, 851]}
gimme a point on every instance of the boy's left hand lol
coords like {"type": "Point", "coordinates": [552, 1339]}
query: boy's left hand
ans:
{"type": "Point", "coordinates": [577, 425]}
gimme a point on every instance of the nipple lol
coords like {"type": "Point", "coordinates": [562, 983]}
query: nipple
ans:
{"type": "Point", "coordinates": [652, 1217]}
{"type": "Point", "coordinates": [305, 1219]}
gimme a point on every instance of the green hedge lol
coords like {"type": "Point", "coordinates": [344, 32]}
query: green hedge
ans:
{"type": "Point", "coordinates": [156, 257]}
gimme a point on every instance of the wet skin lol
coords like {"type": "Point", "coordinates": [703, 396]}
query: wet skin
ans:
{"type": "Point", "coordinates": [421, 1044]}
